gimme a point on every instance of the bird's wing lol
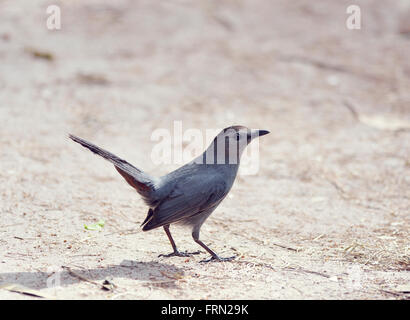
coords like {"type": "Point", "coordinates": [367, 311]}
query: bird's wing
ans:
{"type": "Point", "coordinates": [143, 183]}
{"type": "Point", "coordinates": [190, 196]}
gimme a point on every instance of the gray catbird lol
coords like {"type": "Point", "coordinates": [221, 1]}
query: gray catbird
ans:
{"type": "Point", "coordinates": [191, 193]}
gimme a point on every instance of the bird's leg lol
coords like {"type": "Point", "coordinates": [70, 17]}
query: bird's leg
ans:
{"type": "Point", "coordinates": [214, 256]}
{"type": "Point", "coordinates": [174, 247]}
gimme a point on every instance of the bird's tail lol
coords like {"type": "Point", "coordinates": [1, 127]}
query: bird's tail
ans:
{"type": "Point", "coordinates": [142, 182]}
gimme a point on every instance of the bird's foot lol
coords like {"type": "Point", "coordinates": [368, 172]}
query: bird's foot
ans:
{"type": "Point", "coordinates": [217, 259]}
{"type": "Point", "coordinates": [179, 254]}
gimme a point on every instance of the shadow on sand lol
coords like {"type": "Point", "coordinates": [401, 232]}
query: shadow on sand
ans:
{"type": "Point", "coordinates": [150, 272]}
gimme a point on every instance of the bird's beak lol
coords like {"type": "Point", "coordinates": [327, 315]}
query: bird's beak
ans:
{"type": "Point", "coordinates": [262, 132]}
{"type": "Point", "coordinates": [256, 133]}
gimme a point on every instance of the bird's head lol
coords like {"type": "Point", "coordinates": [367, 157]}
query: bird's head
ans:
{"type": "Point", "coordinates": [240, 134]}
{"type": "Point", "coordinates": [229, 144]}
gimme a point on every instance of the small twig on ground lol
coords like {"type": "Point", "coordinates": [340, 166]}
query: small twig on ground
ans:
{"type": "Point", "coordinates": [318, 237]}
{"type": "Point", "coordinates": [352, 110]}
{"type": "Point", "coordinates": [397, 294]}
{"type": "Point", "coordinates": [12, 287]}
{"type": "Point", "coordinates": [315, 63]}
{"type": "Point", "coordinates": [123, 232]}
{"type": "Point", "coordinates": [255, 264]}
{"type": "Point", "coordinates": [339, 189]}
{"type": "Point", "coordinates": [308, 271]}
{"type": "Point", "coordinates": [11, 225]}
{"type": "Point", "coordinates": [177, 276]}
{"type": "Point", "coordinates": [79, 276]}
{"type": "Point", "coordinates": [264, 242]}
{"type": "Point", "coordinates": [332, 67]}
{"type": "Point", "coordinates": [285, 247]}
{"type": "Point", "coordinates": [85, 255]}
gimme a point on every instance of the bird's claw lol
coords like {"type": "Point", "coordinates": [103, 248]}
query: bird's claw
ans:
{"type": "Point", "coordinates": [217, 259]}
{"type": "Point", "coordinates": [179, 254]}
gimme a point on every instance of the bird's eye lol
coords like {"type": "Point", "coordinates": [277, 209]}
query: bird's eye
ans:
{"type": "Point", "coordinates": [238, 137]}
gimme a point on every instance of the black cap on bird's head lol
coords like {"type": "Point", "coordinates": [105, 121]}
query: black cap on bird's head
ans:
{"type": "Point", "coordinates": [241, 133]}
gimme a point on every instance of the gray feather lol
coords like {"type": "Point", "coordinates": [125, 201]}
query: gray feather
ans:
{"type": "Point", "coordinates": [189, 196]}
{"type": "Point", "coordinates": [140, 181]}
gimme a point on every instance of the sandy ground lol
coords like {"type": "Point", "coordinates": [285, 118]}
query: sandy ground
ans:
{"type": "Point", "coordinates": [326, 217]}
